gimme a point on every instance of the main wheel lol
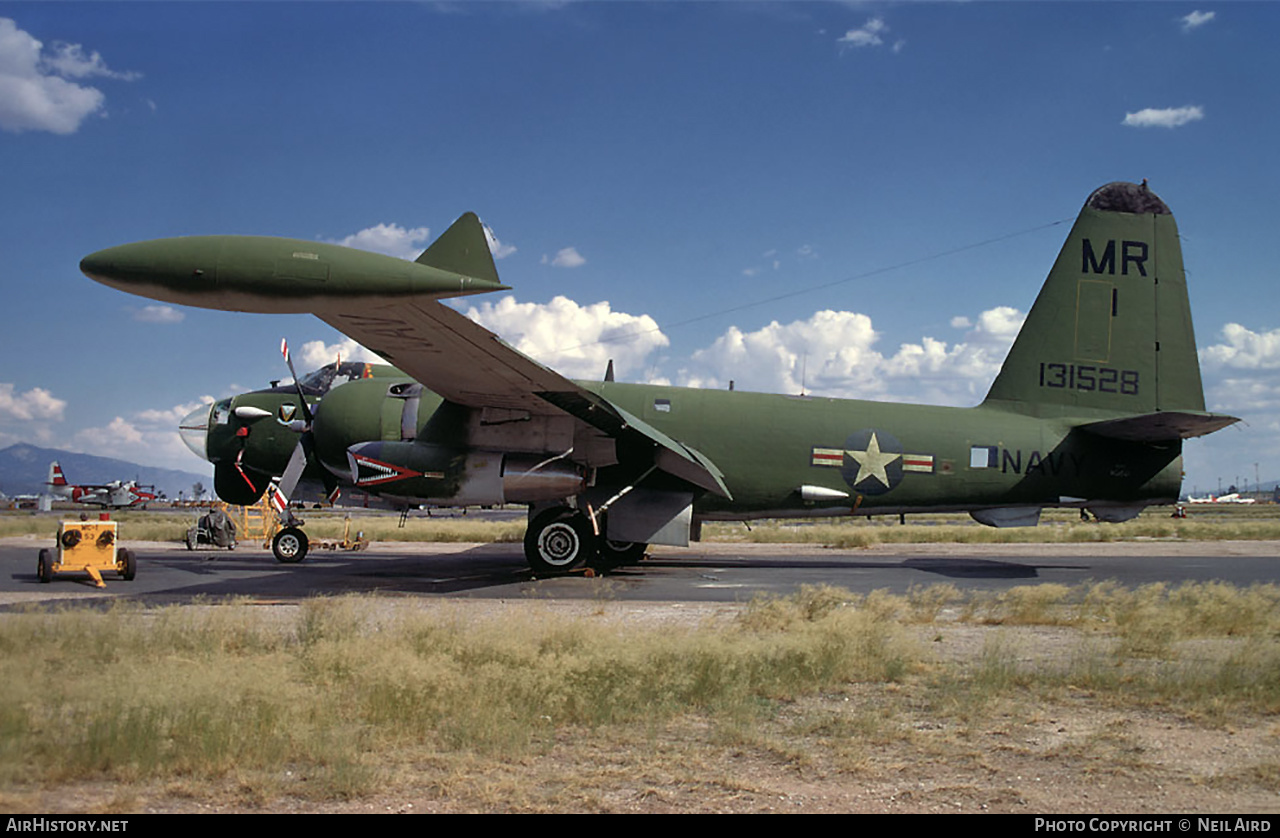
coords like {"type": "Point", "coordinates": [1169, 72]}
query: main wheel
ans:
{"type": "Point", "coordinates": [130, 565]}
{"type": "Point", "coordinates": [44, 567]}
{"type": "Point", "coordinates": [619, 553]}
{"type": "Point", "coordinates": [558, 540]}
{"type": "Point", "coordinates": [289, 545]}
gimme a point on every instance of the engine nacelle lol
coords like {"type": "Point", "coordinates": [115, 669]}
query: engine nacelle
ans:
{"type": "Point", "coordinates": [237, 487]}
{"type": "Point", "coordinates": [424, 473]}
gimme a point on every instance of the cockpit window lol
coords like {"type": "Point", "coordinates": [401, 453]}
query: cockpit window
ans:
{"type": "Point", "coordinates": [333, 375]}
{"type": "Point", "coordinates": [318, 383]}
{"type": "Point", "coordinates": [222, 412]}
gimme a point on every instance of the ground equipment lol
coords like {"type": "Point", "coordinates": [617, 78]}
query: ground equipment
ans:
{"type": "Point", "coordinates": [87, 547]}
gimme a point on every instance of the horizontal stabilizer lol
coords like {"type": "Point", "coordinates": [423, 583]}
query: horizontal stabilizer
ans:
{"type": "Point", "coordinates": [1160, 427]}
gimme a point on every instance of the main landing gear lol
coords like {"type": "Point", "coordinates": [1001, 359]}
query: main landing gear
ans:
{"type": "Point", "coordinates": [561, 539]}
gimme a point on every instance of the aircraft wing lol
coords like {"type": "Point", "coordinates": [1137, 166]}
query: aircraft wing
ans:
{"type": "Point", "coordinates": [467, 364]}
{"type": "Point", "coordinates": [452, 355]}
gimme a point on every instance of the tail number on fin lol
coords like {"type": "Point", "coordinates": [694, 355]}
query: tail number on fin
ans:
{"type": "Point", "coordinates": [1089, 378]}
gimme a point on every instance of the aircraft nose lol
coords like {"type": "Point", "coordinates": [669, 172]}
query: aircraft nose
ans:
{"type": "Point", "coordinates": [194, 430]}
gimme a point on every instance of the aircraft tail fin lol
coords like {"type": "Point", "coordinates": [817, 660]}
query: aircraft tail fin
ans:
{"type": "Point", "coordinates": [462, 249]}
{"type": "Point", "coordinates": [1110, 332]}
{"type": "Point", "coordinates": [56, 477]}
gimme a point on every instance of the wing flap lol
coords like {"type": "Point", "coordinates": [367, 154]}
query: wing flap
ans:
{"type": "Point", "coordinates": [671, 456]}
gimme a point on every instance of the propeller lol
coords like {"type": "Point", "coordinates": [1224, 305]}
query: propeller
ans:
{"type": "Point", "coordinates": [303, 452]}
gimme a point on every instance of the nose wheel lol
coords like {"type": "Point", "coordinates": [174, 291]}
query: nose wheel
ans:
{"type": "Point", "coordinates": [289, 545]}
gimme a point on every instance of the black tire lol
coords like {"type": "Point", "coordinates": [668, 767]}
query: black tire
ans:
{"type": "Point", "coordinates": [621, 553]}
{"type": "Point", "coordinates": [289, 545]}
{"type": "Point", "coordinates": [129, 565]}
{"type": "Point", "coordinates": [558, 541]}
{"type": "Point", "coordinates": [44, 567]}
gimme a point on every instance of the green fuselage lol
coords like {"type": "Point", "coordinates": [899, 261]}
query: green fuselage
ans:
{"type": "Point", "coordinates": [769, 447]}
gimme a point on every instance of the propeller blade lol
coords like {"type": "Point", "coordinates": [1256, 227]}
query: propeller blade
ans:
{"type": "Point", "coordinates": [302, 399]}
{"type": "Point", "coordinates": [293, 471]}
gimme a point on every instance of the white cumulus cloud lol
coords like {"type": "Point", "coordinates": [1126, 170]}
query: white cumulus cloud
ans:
{"type": "Point", "coordinates": [867, 35]}
{"type": "Point", "coordinates": [171, 416]}
{"type": "Point", "coordinates": [566, 257]}
{"type": "Point", "coordinates": [1244, 349]}
{"type": "Point", "coordinates": [316, 354]}
{"type": "Point", "coordinates": [35, 94]}
{"type": "Point", "coordinates": [159, 314]}
{"type": "Point", "coordinates": [149, 437]}
{"type": "Point", "coordinates": [409, 242]}
{"type": "Point", "coordinates": [833, 353]}
{"type": "Point", "coordinates": [1196, 19]}
{"type": "Point", "coordinates": [36, 403]}
{"type": "Point", "coordinates": [70, 60]}
{"type": "Point", "coordinates": [574, 340]}
{"type": "Point", "coordinates": [115, 439]}
{"type": "Point", "coordinates": [497, 248]}
{"type": "Point", "coordinates": [1163, 117]}
{"type": "Point", "coordinates": [390, 240]}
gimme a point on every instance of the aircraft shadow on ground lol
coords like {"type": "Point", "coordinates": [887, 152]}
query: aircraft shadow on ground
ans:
{"type": "Point", "coordinates": [256, 575]}
{"type": "Point", "coordinates": [960, 568]}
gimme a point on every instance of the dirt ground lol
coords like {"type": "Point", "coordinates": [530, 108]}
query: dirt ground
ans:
{"type": "Point", "coordinates": [866, 748]}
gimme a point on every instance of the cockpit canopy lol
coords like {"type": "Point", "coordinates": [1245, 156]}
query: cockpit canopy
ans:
{"type": "Point", "coordinates": [323, 380]}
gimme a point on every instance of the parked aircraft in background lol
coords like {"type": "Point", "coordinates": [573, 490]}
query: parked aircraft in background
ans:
{"type": "Point", "coordinates": [1089, 410]}
{"type": "Point", "coordinates": [1234, 497]}
{"type": "Point", "coordinates": [114, 495]}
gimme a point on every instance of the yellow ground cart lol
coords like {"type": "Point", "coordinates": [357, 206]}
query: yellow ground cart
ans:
{"type": "Point", "coordinates": [87, 547]}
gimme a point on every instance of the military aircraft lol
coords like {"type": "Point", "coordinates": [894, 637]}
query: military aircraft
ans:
{"type": "Point", "coordinates": [1088, 411]}
{"type": "Point", "coordinates": [117, 494]}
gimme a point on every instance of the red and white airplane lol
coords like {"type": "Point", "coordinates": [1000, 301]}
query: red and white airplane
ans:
{"type": "Point", "coordinates": [114, 495]}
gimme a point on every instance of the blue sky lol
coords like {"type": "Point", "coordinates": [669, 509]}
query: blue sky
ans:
{"type": "Point", "coordinates": [646, 168]}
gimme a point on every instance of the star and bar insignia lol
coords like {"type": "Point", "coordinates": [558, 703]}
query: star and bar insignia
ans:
{"type": "Point", "coordinates": [872, 461]}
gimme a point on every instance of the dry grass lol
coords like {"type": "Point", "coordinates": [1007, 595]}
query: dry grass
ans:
{"type": "Point", "coordinates": [1057, 526]}
{"type": "Point", "coordinates": [344, 698]}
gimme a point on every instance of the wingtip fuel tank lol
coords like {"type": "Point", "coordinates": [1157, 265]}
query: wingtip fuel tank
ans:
{"type": "Point", "coordinates": [291, 276]}
{"type": "Point", "coordinates": [268, 275]}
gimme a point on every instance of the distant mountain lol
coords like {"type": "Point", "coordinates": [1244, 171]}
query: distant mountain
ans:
{"type": "Point", "coordinates": [24, 469]}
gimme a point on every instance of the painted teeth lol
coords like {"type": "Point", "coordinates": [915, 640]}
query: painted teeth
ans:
{"type": "Point", "coordinates": [372, 471]}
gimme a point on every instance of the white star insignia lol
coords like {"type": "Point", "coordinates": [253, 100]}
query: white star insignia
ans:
{"type": "Point", "coordinates": [872, 462]}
